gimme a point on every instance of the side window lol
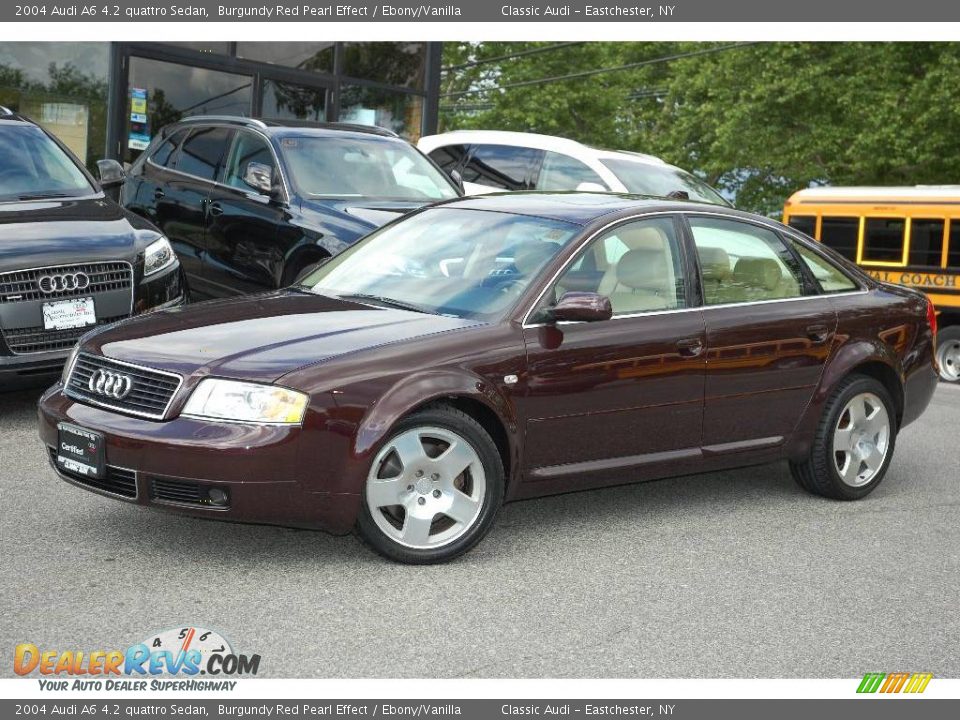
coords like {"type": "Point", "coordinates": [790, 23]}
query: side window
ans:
{"type": "Point", "coordinates": [926, 242]}
{"type": "Point", "coordinates": [883, 239]}
{"type": "Point", "coordinates": [247, 148]}
{"type": "Point", "coordinates": [503, 167]}
{"type": "Point", "coordinates": [562, 172]}
{"type": "Point", "coordinates": [831, 278]}
{"type": "Point", "coordinates": [637, 265]}
{"type": "Point", "coordinates": [449, 157]}
{"type": "Point", "coordinates": [166, 153]}
{"type": "Point", "coordinates": [840, 233]}
{"type": "Point", "coordinates": [806, 224]}
{"type": "Point", "coordinates": [203, 152]}
{"type": "Point", "coordinates": [740, 262]}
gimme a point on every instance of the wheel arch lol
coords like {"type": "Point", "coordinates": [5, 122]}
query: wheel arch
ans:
{"type": "Point", "coordinates": [465, 392]}
{"type": "Point", "coordinates": [874, 360]}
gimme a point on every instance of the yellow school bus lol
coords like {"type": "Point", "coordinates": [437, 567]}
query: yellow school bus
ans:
{"type": "Point", "coordinates": [904, 235]}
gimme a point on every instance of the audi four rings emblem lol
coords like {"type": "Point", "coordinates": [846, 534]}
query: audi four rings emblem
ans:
{"type": "Point", "coordinates": [110, 384]}
{"type": "Point", "coordinates": [63, 282]}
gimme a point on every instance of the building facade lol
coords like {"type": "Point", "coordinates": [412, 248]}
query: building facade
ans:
{"type": "Point", "coordinates": [106, 99]}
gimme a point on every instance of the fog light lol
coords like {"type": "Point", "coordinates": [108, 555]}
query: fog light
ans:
{"type": "Point", "coordinates": [217, 496]}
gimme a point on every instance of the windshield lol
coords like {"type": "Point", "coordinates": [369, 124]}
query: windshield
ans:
{"type": "Point", "coordinates": [32, 166]}
{"type": "Point", "coordinates": [348, 167]}
{"type": "Point", "coordinates": [467, 263]}
{"type": "Point", "coordinates": [661, 180]}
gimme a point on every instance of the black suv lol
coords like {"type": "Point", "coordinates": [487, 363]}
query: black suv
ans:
{"type": "Point", "coordinates": [70, 258]}
{"type": "Point", "coordinates": [249, 204]}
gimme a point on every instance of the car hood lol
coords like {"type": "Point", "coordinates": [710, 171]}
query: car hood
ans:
{"type": "Point", "coordinates": [58, 232]}
{"type": "Point", "coordinates": [357, 215]}
{"type": "Point", "coordinates": [263, 337]}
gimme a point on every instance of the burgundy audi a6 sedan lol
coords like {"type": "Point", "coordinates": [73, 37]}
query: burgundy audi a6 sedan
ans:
{"type": "Point", "coordinates": [497, 348]}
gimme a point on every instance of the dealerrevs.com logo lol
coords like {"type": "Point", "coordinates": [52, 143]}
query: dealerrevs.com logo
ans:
{"type": "Point", "coordinates": [171, 660]}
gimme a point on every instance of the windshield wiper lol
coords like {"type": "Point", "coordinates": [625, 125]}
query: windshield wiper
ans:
{"type": "Point", "coordinates": [390, 302]}
{"type": "Point", "coordinates": [44, 196]}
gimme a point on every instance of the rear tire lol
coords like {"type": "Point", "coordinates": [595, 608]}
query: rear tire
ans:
{"type": "Point", "coordinates": [433, 489]}
{"type": "Point", "coordinates": [948, 353]}
{"type": "Point", "coordinates": [854, 442]}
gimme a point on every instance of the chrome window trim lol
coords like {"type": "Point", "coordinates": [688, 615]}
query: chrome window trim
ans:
{"type": "Point", "coordinates": [129, 265]}
{"type": "Point", "coordinates": [682, 213]}
{"type": "Point", "coordinates": [122, 410]}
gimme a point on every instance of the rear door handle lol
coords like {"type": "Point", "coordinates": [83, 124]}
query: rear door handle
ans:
{"type": "Point", "coordinates": [690, 347]}
{"type": "Point", "coordinates": [216, 208]}
{"type": "Point", "coordinates": [158, 193]}
{"type": "Point", "coordinates": [818, 333]}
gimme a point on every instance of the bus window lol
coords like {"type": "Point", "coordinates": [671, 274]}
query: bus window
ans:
{"type": "Point", "coordinates": [883, 239]}
{"type": "Point", "coordinates": [804, 223]}
{"type": "Point", "coordinates": [953, 259]}
{"type": "Point", "coordinates": [840, 233]}
{"type": "Point", "coordinates": [926, 242]}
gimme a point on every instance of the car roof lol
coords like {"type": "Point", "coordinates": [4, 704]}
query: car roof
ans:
{"type": "Point", "coordinates": [531, 140]}
{"type": "Point", "coordinates": [281, 128]}
{"type": "Point", "coordinates": [933, 193]}
{"type": "Point", "coordinates": [579, 208]}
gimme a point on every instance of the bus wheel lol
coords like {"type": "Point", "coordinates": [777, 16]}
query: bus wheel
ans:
{"type": "Point", "coordinates": [948, 353]}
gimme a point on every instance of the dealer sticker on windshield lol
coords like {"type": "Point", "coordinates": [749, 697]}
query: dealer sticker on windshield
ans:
{"type": "Point", "coordinates": [69, 314]}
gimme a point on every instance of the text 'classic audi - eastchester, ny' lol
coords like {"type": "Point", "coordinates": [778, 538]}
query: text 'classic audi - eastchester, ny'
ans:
{"type": "Point", "coordinates": [496, 348]}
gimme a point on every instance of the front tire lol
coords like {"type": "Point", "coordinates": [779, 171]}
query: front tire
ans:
{"type": "Point", "coordinates": [948, 353]}
{"type": "Point", "coordinates": [433, 489]}
{"type": "Point", "coordinates": [854, 442]}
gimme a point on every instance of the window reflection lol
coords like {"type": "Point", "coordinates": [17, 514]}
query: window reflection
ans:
{"type": "Point", "coordinates": [396, 111]}
{"type": "Point", "coordinates": [315, 56]}
{"type": "Point", "coordinates": [395, 63]}
{"type": "Point", "coordinates": [288, 101]}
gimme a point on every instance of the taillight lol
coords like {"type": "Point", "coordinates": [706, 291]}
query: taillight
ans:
{"type": "Point", "coordinates": [932, 319]}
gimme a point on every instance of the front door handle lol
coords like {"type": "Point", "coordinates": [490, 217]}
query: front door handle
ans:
{"type": "Point", "coordinates": [216, 208]}
{"type": "Point", "coordinates": [690, 347]}
{"type": "Point", "coordinates": [818, 333]}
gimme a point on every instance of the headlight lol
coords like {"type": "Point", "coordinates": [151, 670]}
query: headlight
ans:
{"type": "Point", "coordinates": [66, 368]}
{"type": "Point", "coordinates": [246, 402]}
{"type": "Point", "coordinates": [158, 256]}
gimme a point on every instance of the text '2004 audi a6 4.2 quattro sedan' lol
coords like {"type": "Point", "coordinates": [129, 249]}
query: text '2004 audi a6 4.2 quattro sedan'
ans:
{"type": "Point", "coordinates": [497, 348]}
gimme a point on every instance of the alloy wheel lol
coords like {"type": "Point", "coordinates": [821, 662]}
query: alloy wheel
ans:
{"type": "Point", "coordinates": [861, 439]}
{"type": "Point", "coordinates": [426, 487]}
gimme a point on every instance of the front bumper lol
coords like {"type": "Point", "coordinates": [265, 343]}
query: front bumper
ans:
{"type": "Point", "coordinates": [174, 465]}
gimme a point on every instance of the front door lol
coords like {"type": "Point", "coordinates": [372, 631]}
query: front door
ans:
{"type": "Point", "coordinates": [768, 335]}
{"type": "Point", "coordinates": [242, 249]}
{"type": "Point", "coordinates": [624, 394]}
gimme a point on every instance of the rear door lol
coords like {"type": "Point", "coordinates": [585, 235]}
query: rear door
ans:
{"type": "Point", "coordinates": [243, 252]}
{"type": "Point", "coordinates": [768, 334]}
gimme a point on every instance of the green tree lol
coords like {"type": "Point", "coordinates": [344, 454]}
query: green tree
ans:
{"type": "Point", "coordinates": [759, 121]}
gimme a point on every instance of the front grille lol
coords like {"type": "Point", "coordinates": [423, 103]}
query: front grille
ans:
{"type": "Point", "coordinates": [150, 395]}
{"type": "Point", "coordinates": [23, 285]}
{"type": "Point", "coordinates": [118, 481]}
{"type": "Point", "coordinates": [22, 341]}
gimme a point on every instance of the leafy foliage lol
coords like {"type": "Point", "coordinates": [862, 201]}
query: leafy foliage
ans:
{"type": "Point", "coordinates": [758, 121]}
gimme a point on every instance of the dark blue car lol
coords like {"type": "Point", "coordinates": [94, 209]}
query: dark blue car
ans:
{"type": "Point", "coordinates": [249, 204]}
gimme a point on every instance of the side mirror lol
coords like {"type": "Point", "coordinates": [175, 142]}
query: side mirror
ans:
{"type": "Point", "coordinates": [111, 173]}
{"type": "Point", "coordinates": [678, 195]}
{"type": "Point", "coordinates": [591, 187]}
{"type": "Point", "coordinates": [457, 180]}
{"type": "Point", "coordinates": [581, 307]}
{"type": "Point", "coordinates": [259, 176]}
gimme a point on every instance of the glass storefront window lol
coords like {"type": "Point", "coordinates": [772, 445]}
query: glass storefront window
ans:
{"type": "Point", "coordinates": [393, 63]}
{"type": "Point", "coordinates": [313, 56]}
{"type": "Point", "coordinates": [396, 111]}
{"type": "Point", "coordinates": [175, 91]}
{"type": "Point", "coordinates": [62, 86]}
{"type": "Point", "coordinates": [287, 101]}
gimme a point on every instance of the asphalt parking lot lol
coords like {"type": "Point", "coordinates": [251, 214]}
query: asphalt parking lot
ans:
{"type": "Point", "coordinates": [734, 574]}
